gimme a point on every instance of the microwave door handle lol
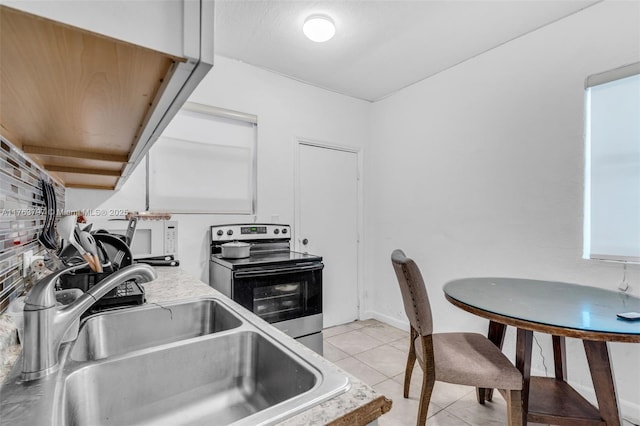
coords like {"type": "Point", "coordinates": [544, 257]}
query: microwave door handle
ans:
{"type": "Point", "coordinates": [279, 271]}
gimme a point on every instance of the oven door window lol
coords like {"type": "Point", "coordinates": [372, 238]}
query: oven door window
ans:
{"type": "Point", "coordinates": [280, 294]}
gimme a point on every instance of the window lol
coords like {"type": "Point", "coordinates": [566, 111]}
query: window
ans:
{"type": "Point", "coordinates": [612, 176]}
{"type": "Point", "coordinates": [205, 162]}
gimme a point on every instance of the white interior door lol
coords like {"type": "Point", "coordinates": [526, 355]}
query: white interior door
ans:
{"type": "Point", "coordinates": [328, 225]}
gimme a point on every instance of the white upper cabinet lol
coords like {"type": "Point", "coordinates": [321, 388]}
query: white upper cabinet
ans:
{"type": "Point", "coordinates": [168, 26]}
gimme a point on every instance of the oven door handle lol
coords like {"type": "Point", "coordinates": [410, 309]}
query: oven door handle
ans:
{"type": "Point", "coordinates": [278, 271]}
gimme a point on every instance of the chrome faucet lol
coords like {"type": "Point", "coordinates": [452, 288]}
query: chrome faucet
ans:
{"type": "Point", "coordinates": [45, 324]}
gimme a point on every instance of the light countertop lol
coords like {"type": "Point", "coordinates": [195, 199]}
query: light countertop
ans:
{"type": "Point", "coordinates": [360, 405]}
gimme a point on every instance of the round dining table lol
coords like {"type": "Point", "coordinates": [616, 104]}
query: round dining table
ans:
{"type": "Point", "coordinates": [561, 310]}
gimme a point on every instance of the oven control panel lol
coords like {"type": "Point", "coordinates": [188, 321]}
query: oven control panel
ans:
{"type": "Point", "coordinates": [250, 232]}
{"type": "Point", "coordinates": [253, 230]}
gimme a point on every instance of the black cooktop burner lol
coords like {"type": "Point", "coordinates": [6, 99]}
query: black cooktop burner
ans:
{"type": "Point", "coordinates": [257, 259]}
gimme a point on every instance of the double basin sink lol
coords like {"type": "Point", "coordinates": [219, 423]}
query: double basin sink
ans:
{"type": "Point", "coordinates": [189, 363]}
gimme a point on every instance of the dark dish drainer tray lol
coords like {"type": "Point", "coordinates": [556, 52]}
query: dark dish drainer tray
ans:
{"type": "Point", "coordinates": [114, 254]}
{"type": "Point", "coordinates": [126, 294]}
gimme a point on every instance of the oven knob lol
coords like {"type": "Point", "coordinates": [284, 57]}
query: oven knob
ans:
{"type": "Point", "coordinates": [220, 232]}
{"type": "Point", "coordinates": [229, 232]}
{"type": "Point", "coordinates": [284, 230]}
{"type": "Point", "coordinates": [276, 231]}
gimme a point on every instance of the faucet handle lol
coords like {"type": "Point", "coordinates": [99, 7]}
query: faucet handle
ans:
{"type": "Point", "coordinates": [42, 295]}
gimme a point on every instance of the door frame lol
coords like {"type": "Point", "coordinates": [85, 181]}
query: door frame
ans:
{"type": "Point", "coordinates": [299, 141]}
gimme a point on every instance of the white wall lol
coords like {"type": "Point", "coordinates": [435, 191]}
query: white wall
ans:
{"type": "Point", "coordinates": [478, 171]}
{"type": "Point", "coordinates": [286, 109]}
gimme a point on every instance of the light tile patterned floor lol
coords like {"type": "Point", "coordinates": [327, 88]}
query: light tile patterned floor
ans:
{"type": "Point", "coordinates": [376, 353]}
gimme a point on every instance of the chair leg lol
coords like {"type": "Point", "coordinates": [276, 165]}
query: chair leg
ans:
{"type": "Point", "coordinates": [411, 361]}
{"type": "Point", "coordinates": [514, 408]}
{"type": "Point", "coordinates": [481, 395]}
{"type": "Point", "coordinates": [425, 396]}
{"type": "Point", "coordinates": [428, 378]}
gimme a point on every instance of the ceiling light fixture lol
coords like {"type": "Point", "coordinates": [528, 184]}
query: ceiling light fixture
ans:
{"type": "Point", "coordinates": [319, 28]}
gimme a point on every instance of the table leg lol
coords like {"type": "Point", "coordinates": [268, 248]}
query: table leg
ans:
{"type": "Point", "coordinates": [602, 376]}
{"type": "Point", "coordinates": [560, 358]}
{"type": "Point", "coordinates": [524, 344]}
{"type": "Point", "coordinates": [496, 335]}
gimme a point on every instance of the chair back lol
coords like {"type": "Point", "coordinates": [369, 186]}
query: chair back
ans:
{"type": "Point", "coordinates": [414, 293]}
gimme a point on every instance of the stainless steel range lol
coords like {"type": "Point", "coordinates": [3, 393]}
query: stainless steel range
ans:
{"type": "Point", "coordinates": [281, 286]}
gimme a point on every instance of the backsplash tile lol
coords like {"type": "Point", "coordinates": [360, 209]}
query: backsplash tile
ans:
{"type": "Point", "coordinates": [22, 216]}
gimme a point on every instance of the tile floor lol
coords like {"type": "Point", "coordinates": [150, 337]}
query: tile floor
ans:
{"type": "Point", "coordinates": [376, 353]}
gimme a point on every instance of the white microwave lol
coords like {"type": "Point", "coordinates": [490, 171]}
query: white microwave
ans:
{"type": "Point", "coordinates": [152, 237]}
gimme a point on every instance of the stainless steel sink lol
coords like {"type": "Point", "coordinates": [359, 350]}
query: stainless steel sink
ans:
{"type": "Point", "coordinates": [213, 381]}
{"type": "Point", "coordinates": [118, 332]}
{"type": "Point", "coordinates": [203, 361]}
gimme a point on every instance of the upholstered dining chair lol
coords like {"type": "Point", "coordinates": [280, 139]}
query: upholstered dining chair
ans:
{"type": "Point", "coordinates": [461, 358]}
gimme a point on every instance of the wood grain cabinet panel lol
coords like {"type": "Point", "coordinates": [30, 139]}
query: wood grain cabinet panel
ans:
{"type": "Point", "coordinates": [85, 106]}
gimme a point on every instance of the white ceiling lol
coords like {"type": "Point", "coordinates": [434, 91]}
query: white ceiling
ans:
{"type": "Point", "coordinates": [379, 46]}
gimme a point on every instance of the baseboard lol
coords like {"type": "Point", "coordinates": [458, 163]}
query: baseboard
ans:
{"type": "Point", "coordinates": [630, 411]}
{"type": "Point", "coordinates": [394, 322]}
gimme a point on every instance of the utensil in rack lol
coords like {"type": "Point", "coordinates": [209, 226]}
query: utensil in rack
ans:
{"type": "Point", "coordinates": [131, 230]}
{"type": "Point", "coordinates": [115, 252]}
{"type": "Point", "coordinates": [119, 257]}
{"type": "Point", "coordinates": [153, 262]}
{"type": "Point", "coordinates": [66, 229]}
{"type": "Point", "coordinates": [103, 255]}
{"type": "Point", "coordinates": [48, 236]}
{"type": "Point", "coordinates": [89, 244]}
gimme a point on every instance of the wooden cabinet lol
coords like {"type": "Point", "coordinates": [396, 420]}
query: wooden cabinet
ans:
{"type": "Point", "coordinates": [87, 87]}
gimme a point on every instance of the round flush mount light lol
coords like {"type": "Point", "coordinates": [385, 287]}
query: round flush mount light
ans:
{"type": "Point", "coordinates": [319, 28]}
